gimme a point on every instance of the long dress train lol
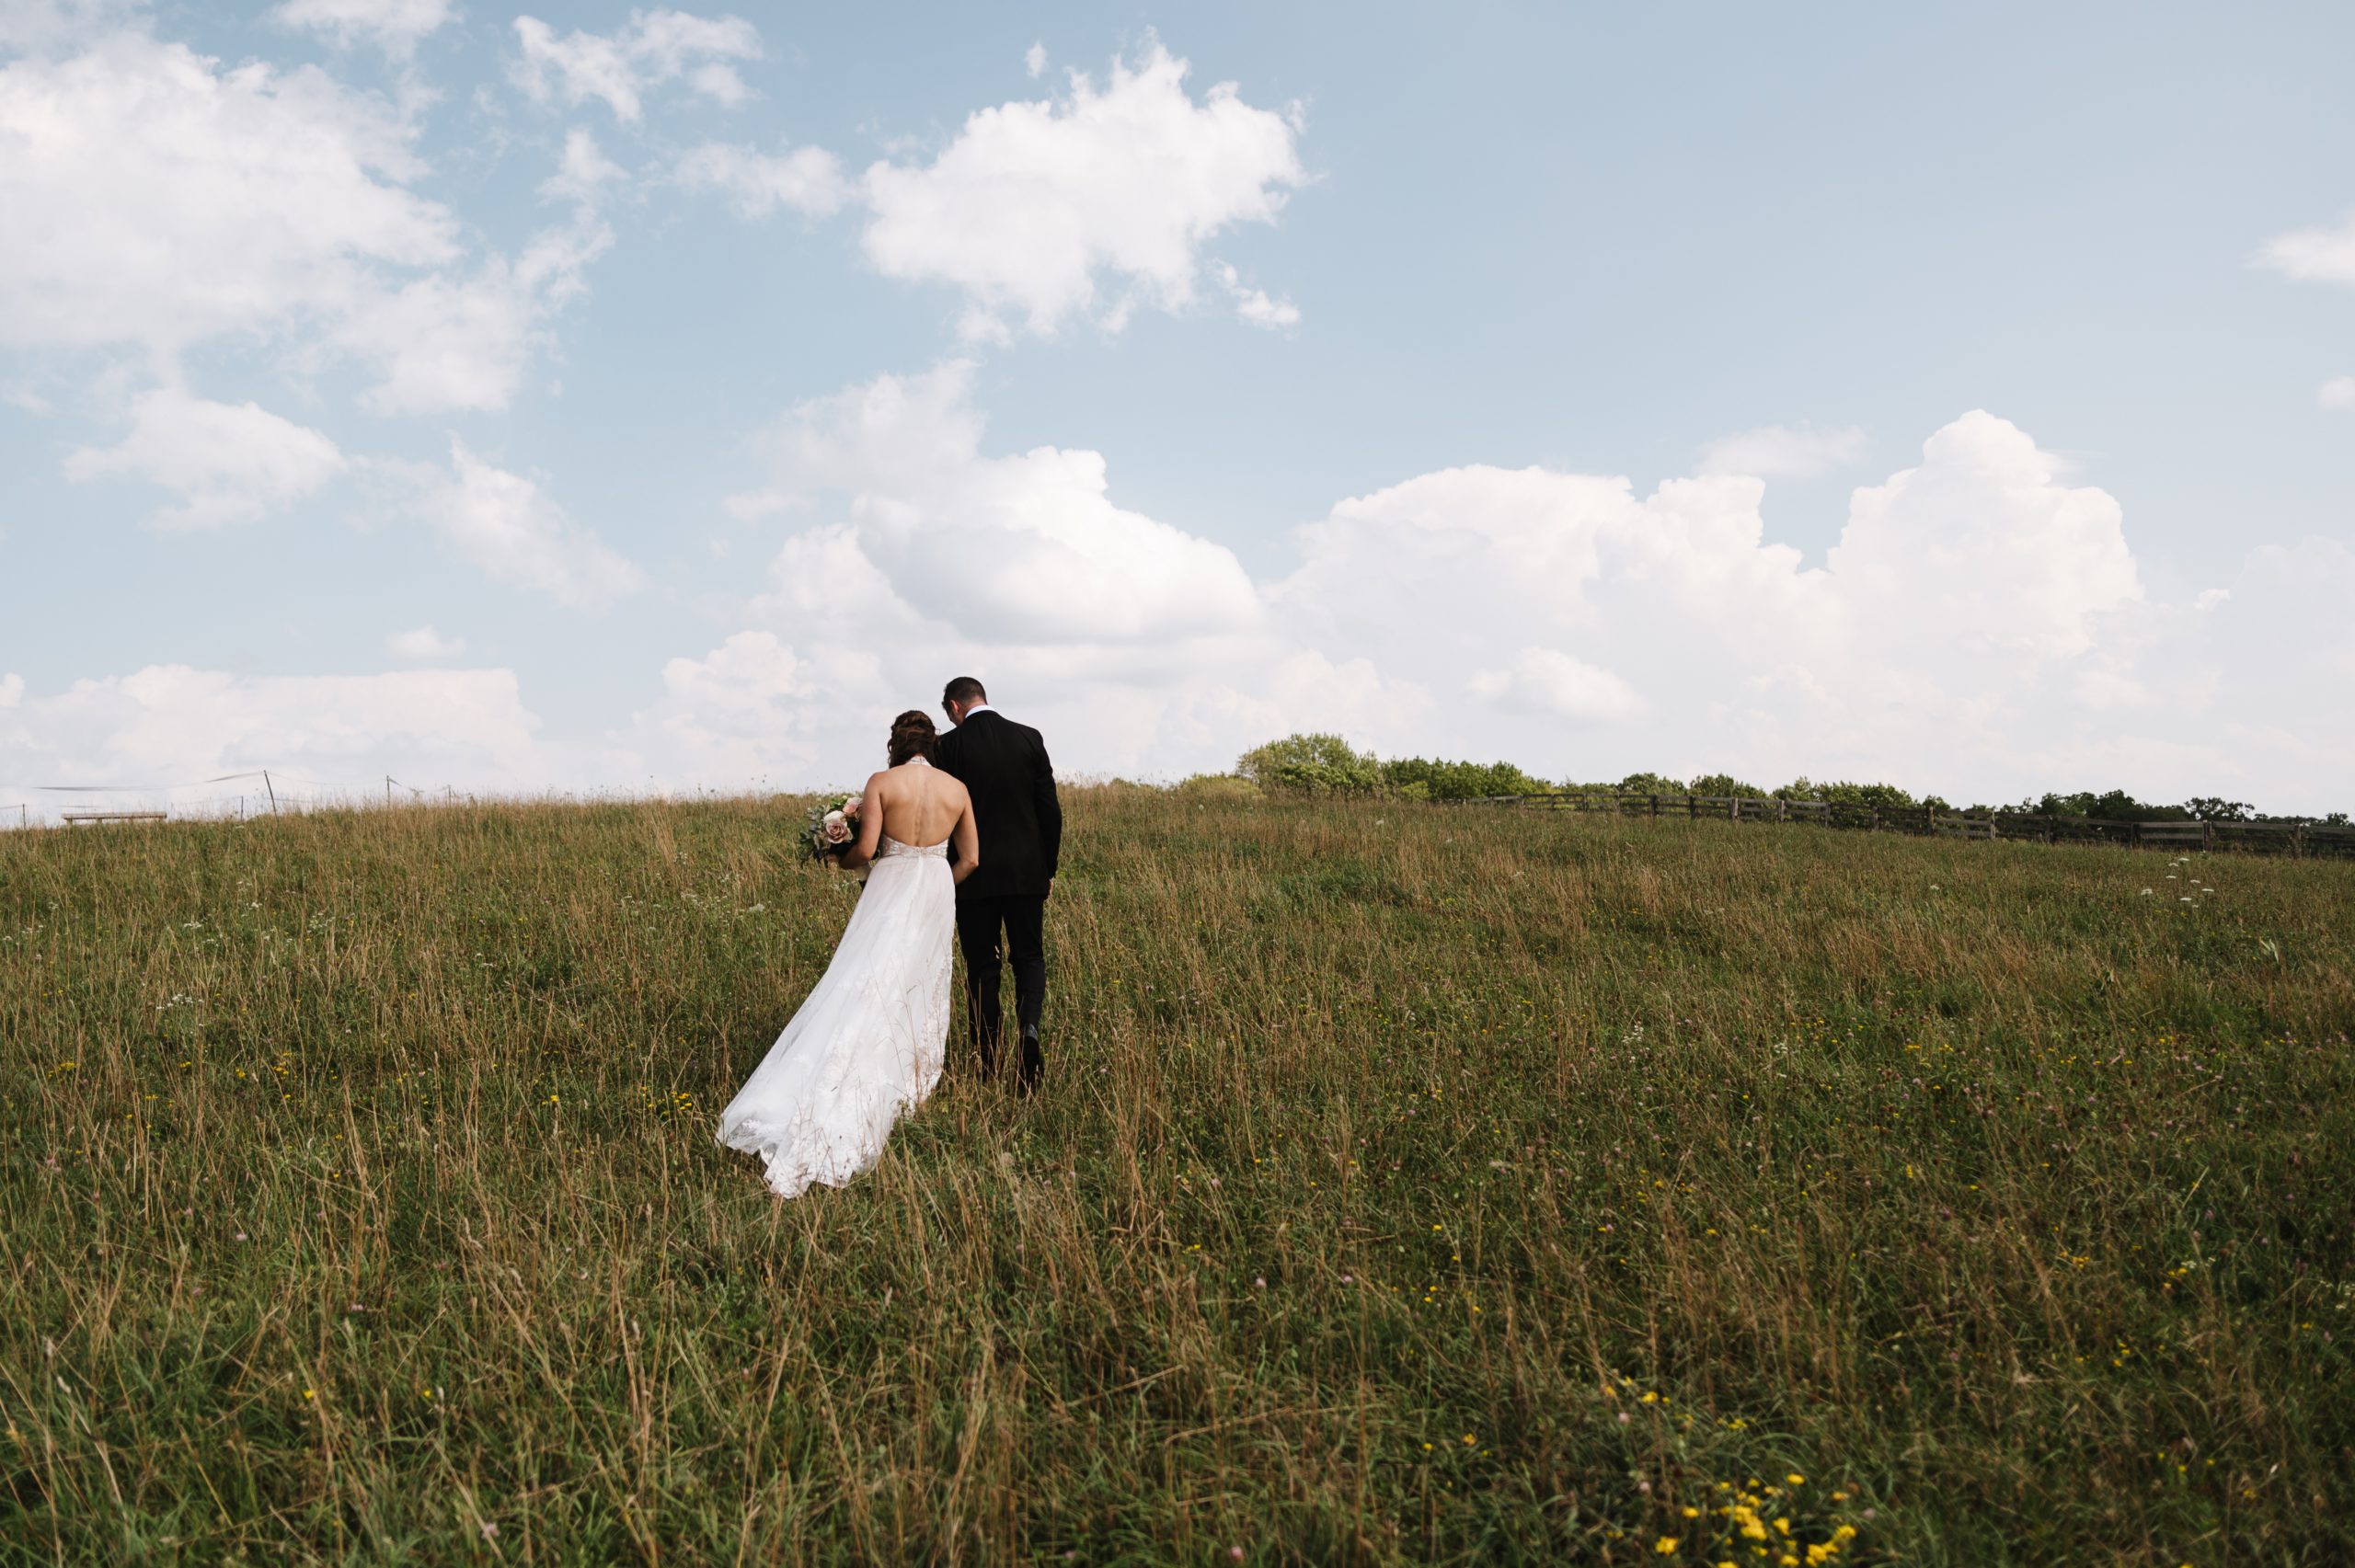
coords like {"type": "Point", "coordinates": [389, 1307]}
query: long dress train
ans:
{"type": "Point", "coordinates": [868, 1043]}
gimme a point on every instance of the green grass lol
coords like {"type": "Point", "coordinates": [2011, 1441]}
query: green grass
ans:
{"type": "Point", "coordinates": [1410, 1186]}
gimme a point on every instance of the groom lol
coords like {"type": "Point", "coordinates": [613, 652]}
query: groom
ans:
{"type": "Point", "coordinates": [1004, 767]}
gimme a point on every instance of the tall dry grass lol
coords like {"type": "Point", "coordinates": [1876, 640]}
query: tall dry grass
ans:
{"type": "Point", "coordinates": [1411, 1185]}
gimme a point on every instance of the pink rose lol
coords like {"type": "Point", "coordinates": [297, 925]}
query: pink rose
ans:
{"type": "Point", "coordinates": [850, 806]}
{"type": "Point", "coordinates": [837, 831]}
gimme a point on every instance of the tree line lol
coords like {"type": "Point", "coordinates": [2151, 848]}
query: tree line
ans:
{"type": "Point", "coordinates": [1326, 764]}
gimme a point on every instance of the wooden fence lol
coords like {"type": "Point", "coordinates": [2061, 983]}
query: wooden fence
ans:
{"type": "Point", "coordinates": [2301, 839]}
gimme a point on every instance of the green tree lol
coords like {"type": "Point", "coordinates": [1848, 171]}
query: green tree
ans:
{"type": "Point", "coordinates": [1651, 784]}
{"type": "Point", "coordinates": [1725, 785]}
{"type": "Point", "coordinates": [2110, 806]}
{"type": "Point", "coordinates": [1311, 764]}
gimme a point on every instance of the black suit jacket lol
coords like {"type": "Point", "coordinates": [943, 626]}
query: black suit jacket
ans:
{"type": "Point", "coordinates": [1004, 767]}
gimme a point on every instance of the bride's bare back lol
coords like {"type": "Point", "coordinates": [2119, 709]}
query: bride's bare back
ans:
{"type": "Point", "coordinates": [919, 805]}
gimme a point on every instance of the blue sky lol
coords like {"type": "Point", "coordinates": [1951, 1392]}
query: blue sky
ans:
{"type": "Point", "coordinates": [1970, 373]}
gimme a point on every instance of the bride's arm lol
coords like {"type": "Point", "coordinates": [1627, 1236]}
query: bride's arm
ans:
{"type": "Point", "coordinates": [969, 844]}
{"type": "Point", "coordinates": [871, 826]}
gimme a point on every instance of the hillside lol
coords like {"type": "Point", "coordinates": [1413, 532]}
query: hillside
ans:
{"type": "Point", "coordinates": [1412, 1184]}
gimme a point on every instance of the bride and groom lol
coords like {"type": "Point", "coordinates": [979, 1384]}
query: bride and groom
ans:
{"type": "Point", "coordinates": [868, 1042]}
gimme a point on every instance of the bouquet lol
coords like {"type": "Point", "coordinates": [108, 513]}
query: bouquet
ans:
{"type": "Point", "coordinates": [833, 827]}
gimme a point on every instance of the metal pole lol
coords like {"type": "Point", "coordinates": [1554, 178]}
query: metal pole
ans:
{"type": "Point", "coordinates": [273, 791]}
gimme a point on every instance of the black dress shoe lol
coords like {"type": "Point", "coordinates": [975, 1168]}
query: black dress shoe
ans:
{"type": "Point", "coordinates": [1034, 1063]}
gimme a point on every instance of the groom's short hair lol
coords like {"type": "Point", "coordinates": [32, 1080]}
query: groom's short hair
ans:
{"type": "Point", "coordinates": [964, 689]}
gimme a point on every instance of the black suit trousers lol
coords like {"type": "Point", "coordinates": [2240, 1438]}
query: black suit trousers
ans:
{"type": "Point", "coordinates": [1022, 918]}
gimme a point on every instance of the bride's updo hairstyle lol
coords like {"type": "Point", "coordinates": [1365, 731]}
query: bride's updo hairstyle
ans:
{"type": "Point", "coordinates": [912, 736]}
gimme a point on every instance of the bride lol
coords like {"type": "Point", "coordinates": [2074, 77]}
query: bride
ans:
{"type": "Point", "coordinates": [869, 1041]}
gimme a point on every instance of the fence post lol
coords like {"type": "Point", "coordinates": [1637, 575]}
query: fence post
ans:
{"type": "Point", "coordinates": [1655, 806]}
{"type": "Point", "coordinates": [1692, 807]}
{"type": "Point", "coordinates": [1875, 827]}
{"type": "Point", "coordinates": [2206, 834]}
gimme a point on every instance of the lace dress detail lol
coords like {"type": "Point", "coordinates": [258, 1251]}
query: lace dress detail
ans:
{"type": "Point", "coordinates": [869, 1041]}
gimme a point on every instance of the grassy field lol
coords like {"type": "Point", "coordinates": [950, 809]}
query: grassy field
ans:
{"type": "Point", "coordinates": [1411, 1185]}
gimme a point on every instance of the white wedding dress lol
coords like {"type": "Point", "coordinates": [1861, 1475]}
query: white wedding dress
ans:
{"type": "Point", "coordinates": [869, 1041]}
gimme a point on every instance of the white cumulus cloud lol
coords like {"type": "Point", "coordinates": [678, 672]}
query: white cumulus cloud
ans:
{"type": "Point", "coordinates": [395, 26]}
{"type": "Point", "coordinates": [464, 342]}
{"type": "Point", "coordinates": [742, 710]}
{"type": "Point", "coordinates": [806, 180]}
{"type": "Point", "coordinates": [156, 198]}
{"type": "Point", "coordinates": [583, 172]}
{"type": "Point", "coordinates": [508, 526]}
{"type": "Point", "coordinates": [1982, 550]}
{"type": "Point", "coordinates": [159, 199]}
{"type": "Point", "coordinates": [2339, 392]}
{"type": "Point", "coordinates": [162, 729]}
{"type": "Point", "coordinates": [226, 461]}
{"type": "Point", "coordinates": [651, 49]}
{"type": "Point", "coordinates": [1255, 306]}
{"type": "Point", "coordinates": [1043, 209]}
{"type": "Point", "coordinates": [39, 26]}
{"type": "Point", "coordinates": [1785, 451]}
{"type": "Point", "coordinates": [1021, 546]}
{"type": "Point", "coordinates": [1546, 682]}
{"type": "Point", "coordinates": [2314, 255]}
{"type": "Point", "coordinates": [1980, 628]}
{"type": "Point", "coordinates": [423, 645]}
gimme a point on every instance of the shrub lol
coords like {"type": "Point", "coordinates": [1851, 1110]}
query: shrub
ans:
{"type": "Point", "coordinates": [1880, 796]}
{"type": "Point", "coordinates": [1219, 789]}
{"type": "Point", "coordinates": [1418, 778]}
